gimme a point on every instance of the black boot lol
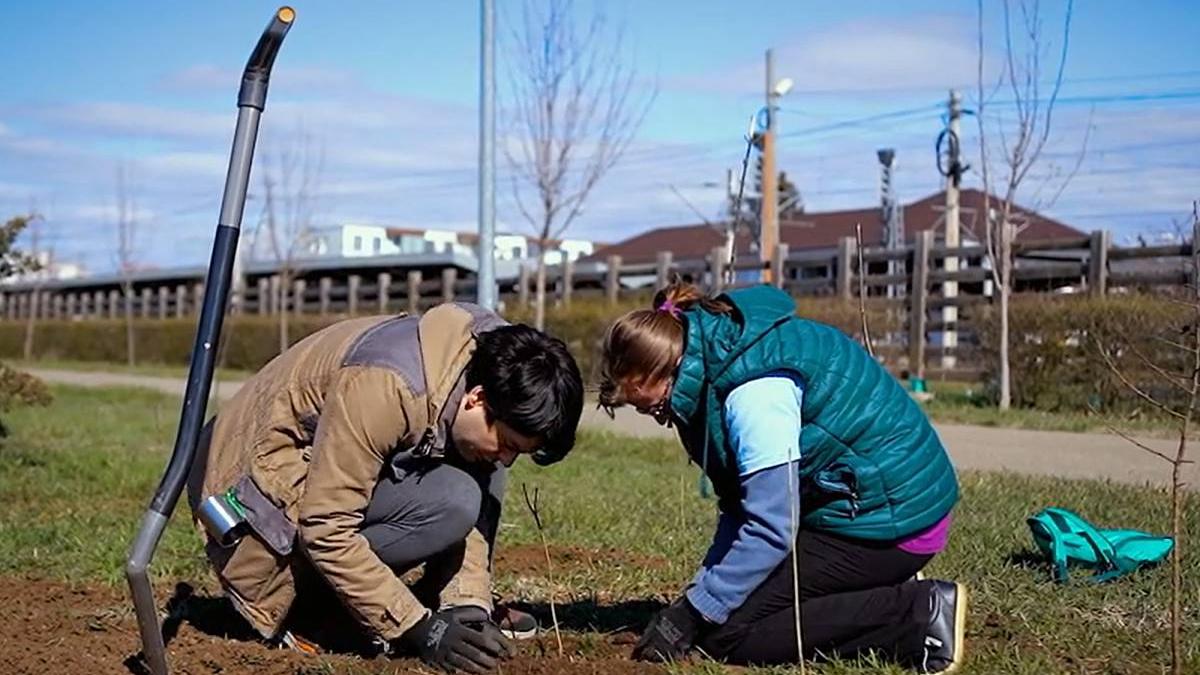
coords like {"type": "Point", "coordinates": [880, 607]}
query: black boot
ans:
{"type": "Point", "coordinates": [943, 650]}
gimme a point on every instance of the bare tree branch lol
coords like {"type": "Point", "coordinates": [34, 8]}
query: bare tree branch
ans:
{"type": "Point", "coordinates": [1133, 387]}
{"type": "Point", "coordinates": [126, 254]}
{"type": "Point", "coordinates": [1172, 343]}
{"type": "Point", "coordinates": [1087, 135]}
{"type": "Point", "coordinates": [571, 114]}
{"type": "Point", "coordinates": [1170, 378]}
{"type": "Point", "coordinates": [1161, 455]}
{"type": "Point", "coordinates": [290, 179]}
{"type": "Point", "coordinates": [691, 206]}
{"type": "Point", "coordinates": [1021, 147]}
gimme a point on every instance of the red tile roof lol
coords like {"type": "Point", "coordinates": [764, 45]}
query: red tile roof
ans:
{"type": "Point", "coordinates": [824, 230]}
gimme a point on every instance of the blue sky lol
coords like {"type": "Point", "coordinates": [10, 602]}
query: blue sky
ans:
{"type": "Point", "coordinates": [388, 91]}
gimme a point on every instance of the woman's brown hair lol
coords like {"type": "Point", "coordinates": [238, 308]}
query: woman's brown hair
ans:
{"type": "Point", "coordinates": [645, 345]}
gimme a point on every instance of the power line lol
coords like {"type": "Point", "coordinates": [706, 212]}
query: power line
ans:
{"type": "Point", "coordinates": [970, 85]}
{"type": "Point", "coordinates": [1109, 98]}
{"type": "Point", "coordinates": [892, 115]}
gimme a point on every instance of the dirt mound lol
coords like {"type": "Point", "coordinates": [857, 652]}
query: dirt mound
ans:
{"type": "Point", "coordinates": [57, 627]}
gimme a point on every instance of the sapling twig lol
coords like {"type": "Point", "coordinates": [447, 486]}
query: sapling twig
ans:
{"type": "Point", "coordinates": [862, 291]}
{"type": "Point", "coordinates": [532, 505]}
{"type": "Point", "coordinates": [1185, 412]}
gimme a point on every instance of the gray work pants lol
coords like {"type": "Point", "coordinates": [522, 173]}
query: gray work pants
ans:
{"type": "Point", "coordinates": [421, 512]}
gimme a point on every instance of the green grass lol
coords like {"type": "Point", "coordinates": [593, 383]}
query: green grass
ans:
{"type": "Point", "coordinates": [954, 402]}
{"type": "Point", "coordinates": [149, 369]}
{"type": "Point", "coordinates": [963, 403]}
{"type": "Point", "coordinates": [75, 477]}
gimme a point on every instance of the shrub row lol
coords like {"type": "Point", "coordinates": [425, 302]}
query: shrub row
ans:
{"type": "Point", "coordinates": [1055, 345]}
{"type": "Point", "coordinates": [1056, 352]}
{"type": "Point", "coordinates": [250, 341]}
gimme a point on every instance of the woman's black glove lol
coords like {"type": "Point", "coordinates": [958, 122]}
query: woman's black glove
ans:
{"type": "Point", "coordinates": [671, 633]}
{"type": "Point", "coordinates": [458, 638]}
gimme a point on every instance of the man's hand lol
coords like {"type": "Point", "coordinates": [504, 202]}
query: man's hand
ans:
{"type": "Point", "coordinates": [458, 638]}
{"type": "Point", "coordinates": [671, 633]}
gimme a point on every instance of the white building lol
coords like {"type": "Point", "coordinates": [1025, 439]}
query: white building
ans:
{"type": "Point", "coordinates": [427, 241]}
{"type": "Point", "coordinates": [353, 240]}
{"type": "Point", "coordinates": [572, 249]}
{"type": "Point", "coordinates": [350, 241]}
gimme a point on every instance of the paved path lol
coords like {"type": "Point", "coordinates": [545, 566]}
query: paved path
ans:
{"type": "Point", "coordinates": [1047, 453]}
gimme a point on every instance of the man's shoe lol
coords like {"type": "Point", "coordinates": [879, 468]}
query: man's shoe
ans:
{"type": "Point", "coordinates": [945, 634]}
{"type": "Point", "coordinates": [515, 624]}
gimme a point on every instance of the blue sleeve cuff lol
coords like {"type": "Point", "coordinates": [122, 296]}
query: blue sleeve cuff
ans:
{"type": "Point", "coordinates": [708, 606]}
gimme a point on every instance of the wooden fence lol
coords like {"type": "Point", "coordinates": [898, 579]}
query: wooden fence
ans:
{"type": "Point", "coordinates": [916, 289]}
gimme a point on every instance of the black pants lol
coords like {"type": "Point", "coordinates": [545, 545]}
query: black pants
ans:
{"type": "Point", "coordinates": [855, 596]}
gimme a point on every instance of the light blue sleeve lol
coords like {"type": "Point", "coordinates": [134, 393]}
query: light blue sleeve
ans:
{"type": "Point", "coordinates": [763, 419]}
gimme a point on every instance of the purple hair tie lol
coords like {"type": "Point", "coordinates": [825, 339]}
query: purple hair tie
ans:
{"type": "Point", "coordinates": [670, 308]}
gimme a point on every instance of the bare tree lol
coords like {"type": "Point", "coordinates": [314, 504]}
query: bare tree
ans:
{"type": "Point", "coordinates": [289, 181]}
{"type": "Point", "coordinates": [34, 305]}
{"type": "Point", "coordinates": [1179, 380]}
{"type": "Point", "coordinates": [126, 253]}
{"type": "Point", "coordinates": [572, 111]}
{"type": "Point", "coordinates": [1020, 144]}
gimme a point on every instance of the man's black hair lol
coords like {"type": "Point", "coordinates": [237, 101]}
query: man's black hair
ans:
{"type": "Point", "coordinates": [532, 384]}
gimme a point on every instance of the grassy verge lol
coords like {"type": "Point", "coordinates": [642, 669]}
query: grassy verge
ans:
{"type": "Point", "coordinates": [149, 369]}
{"type": "Point", "coordinates": [954, 402]}
{"type": "Point", "coordinates": [963, 403]}
{"type": "Point", "coordinates": [75, 477]}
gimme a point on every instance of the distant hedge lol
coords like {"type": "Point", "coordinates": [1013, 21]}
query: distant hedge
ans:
{"type": "Point", "coordinates": [1055, 352]}
{"type": "Point", "coordinates": [250, 341]}
{"type": "Point", "coordinates": [1056, 364]}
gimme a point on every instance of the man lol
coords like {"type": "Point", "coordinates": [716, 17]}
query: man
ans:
{"type": "Point", "coordinates": [377, 445]}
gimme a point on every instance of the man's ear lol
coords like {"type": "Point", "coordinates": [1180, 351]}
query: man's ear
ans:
{"type": "Point", "coordinates": [474, 397]}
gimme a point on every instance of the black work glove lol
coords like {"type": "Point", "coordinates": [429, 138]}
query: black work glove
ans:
{"type": "Point", "coordinates": [458, 638]}
{"type": "Point", "coordinates": [671, 633]}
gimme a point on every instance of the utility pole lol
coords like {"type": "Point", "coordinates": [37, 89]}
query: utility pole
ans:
{"type": "Point", "coordinates": [770, 179]}
{"type": "Point", "coordinates": [892, 215]}
{"type": "Point", "coordinates": [486, 286]}
{"type": "Point", "coordinates": [953, 239]}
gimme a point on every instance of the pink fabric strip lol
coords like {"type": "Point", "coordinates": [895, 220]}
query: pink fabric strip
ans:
{"type": "Point", "coordinates": [930, 540]}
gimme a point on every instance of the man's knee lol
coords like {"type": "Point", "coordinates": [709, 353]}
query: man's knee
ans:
{"type": "Point", "coordinates": [421, 512]}
{"type": "Point", "coordinates": [457, 513]}
{"type": "Point", "coordinates": [447, 501]}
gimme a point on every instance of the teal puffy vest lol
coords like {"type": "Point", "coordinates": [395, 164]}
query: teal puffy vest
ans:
{"type": "Point", "coordinates": [872, 467]}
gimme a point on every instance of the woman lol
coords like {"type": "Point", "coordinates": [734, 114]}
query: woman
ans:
{"type": "Point", "coordinates": [811, 447]}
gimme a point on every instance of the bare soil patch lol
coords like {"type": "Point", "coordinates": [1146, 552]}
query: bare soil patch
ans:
{"type": "Point", "coordinates": [62, 627]}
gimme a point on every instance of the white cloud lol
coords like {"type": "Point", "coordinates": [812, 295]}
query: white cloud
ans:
{"type": "Point", "coordinates": [139, 120]}
{"type": "Point", "coordinates": [16, 191]}
{"type": "Point", "coordinates": [209, 164]}
{"type": "Point", "coordinates": [869, 56]}
{"type": "Point", "coordinates": [106, 213]}
{"type": "Point", "coordinates": [206, 78]}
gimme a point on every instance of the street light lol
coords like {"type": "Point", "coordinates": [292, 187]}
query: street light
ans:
{"type": "Point", "coordinates": [782, 87]}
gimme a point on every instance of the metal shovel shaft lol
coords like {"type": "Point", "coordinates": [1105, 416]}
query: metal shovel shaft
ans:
{"type": "Point", "coordinates": [251, 100]}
